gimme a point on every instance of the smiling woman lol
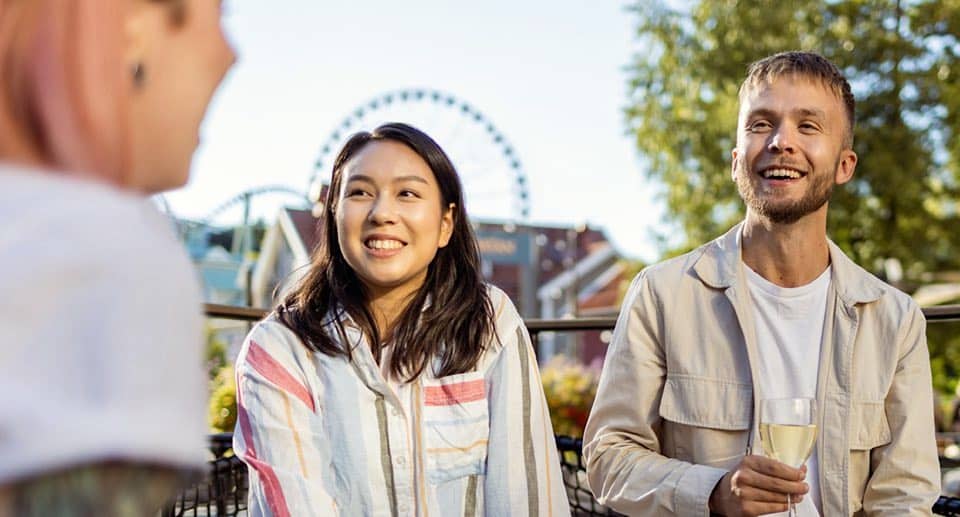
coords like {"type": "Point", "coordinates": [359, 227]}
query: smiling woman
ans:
{"type": "Point", "coordinates": [100, 104]}
{"type": "Point", "coordinates": [395, 234]}
{"type": "Point", "coordinates": [391, 376]}
{"type": "Point", "coordinates": [390, 222]}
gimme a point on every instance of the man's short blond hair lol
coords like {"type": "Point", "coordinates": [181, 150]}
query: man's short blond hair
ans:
{"type": "Point", "coordinates": [809, 65]}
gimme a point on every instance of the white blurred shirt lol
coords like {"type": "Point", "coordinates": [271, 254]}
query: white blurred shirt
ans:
{"type": "Point", "coordinates": [100, 330]}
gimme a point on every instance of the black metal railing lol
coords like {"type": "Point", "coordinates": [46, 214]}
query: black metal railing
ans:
{"type": "Point", "coordinates": [223, 490]}
{"type": "Point", "coordinates": [946, 506]}
{"type": "Point", "coordinates": [536, 326]}
{"type": "Point", "coordinates": [574, 471]}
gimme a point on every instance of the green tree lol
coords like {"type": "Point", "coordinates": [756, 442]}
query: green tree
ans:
{"type": "Point", "coordinates": [902, 61]}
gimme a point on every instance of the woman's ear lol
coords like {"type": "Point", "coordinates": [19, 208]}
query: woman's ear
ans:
{"type": "Point", "coordinates": [135, 39]}
{"type": "Point", "coordinates": [446, 225]}
{"type": "Point", "coordinates": [143, 25]}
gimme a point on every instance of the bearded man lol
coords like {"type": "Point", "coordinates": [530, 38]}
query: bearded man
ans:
{"type": "Point", "coordinates": [771, 310]}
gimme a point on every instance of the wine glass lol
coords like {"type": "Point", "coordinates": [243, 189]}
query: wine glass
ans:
{"type": "Point", "coordinates": [788, 431]}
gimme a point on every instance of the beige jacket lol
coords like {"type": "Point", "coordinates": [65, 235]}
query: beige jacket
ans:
{"type": "Point", "coordinates": [677, 409]}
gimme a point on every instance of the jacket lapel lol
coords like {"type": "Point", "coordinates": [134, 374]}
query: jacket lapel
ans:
{"type": "Point", "coordinates": [850, 287]}
{"type": "Point", "coordinates": [720, 267]}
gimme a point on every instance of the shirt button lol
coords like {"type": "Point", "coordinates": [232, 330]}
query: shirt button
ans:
{"type": "Point", "coordinates": [396, 412]}
{"type": "Point", "coordinates": [401, 461]}
{"type": "Point", "coordinates": [402, 508]}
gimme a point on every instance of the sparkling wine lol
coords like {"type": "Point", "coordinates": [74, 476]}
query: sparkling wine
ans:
{"type": "Point", "coordinates": [790, 444]}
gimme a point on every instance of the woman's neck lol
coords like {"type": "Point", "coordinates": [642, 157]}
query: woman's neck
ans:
{"type": "Point", "coordinates": [386, 309]}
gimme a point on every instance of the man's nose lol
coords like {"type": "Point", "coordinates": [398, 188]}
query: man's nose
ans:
{"type": "Point", "coordinates": [781, 141]}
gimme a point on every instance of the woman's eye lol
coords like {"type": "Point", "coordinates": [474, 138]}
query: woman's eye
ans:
{"type": "Point", "coordinates": [357, 192]}
{"type": "Point", "coordinates": [408, 193]}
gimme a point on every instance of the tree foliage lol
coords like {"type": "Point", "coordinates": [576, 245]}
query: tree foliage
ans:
{"type": "Point", "coordinates": [902, 61]}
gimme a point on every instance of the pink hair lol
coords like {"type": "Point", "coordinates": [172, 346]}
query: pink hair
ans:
{"type": "Point", "coordinates": [64, 86]}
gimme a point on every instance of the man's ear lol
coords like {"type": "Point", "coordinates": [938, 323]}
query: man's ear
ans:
{"type": "Point", "coordinates": [845, 167]}
{"type": "Point", "coordinates": [734, 156]}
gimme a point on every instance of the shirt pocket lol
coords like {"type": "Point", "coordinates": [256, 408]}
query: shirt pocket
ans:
{"type": "Point", "coordinates": [456, 426]}
{"type": "Point", "coordinates": [707, 420]}
{"type": "Point", "coordinates": [869, 429]}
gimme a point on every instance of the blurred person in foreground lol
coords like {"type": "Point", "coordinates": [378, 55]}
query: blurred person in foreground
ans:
{"type": "Point", "coordinates": [772, 309]}
{"type": "Point", "coordinates": [101, 385]}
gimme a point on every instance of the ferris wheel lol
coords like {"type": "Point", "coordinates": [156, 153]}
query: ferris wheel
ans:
{"type": "Point", "coordinates": [243, 201]}
{"type": "Point", "coordinates": [240, 211]}
{"type": "Point", "coordinates": [494, 183]}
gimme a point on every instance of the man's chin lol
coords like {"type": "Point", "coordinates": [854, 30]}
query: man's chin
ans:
{"type": "Point", "coordinates": [785, 213]}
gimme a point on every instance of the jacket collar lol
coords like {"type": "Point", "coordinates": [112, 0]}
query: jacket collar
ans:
{"type": "Point", "coordinates": [720, 266]}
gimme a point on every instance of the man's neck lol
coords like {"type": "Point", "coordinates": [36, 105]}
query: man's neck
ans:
{"type": "Point", "coordinates": [788, 255]}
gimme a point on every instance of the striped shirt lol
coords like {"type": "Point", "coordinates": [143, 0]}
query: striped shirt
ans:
{"type": "Point", "coordinates": [329, 436]}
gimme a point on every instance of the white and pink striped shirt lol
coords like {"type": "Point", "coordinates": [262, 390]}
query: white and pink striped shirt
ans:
{"type": "Point", "coordinates": [327, 436]}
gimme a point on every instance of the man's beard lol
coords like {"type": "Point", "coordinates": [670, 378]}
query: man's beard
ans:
{"type": "Point", "coordinates": [786, 212]}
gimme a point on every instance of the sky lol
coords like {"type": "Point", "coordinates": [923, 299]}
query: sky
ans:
{"type": "Point", "coordinates": [550, 76]}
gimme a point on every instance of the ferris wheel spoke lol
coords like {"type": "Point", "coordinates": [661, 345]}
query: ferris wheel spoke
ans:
{"type": "Point", "coordinates": [493, 180]}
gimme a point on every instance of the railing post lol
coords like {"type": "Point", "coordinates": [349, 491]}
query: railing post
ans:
{"type": "Point", "coordinates": [535, 342]}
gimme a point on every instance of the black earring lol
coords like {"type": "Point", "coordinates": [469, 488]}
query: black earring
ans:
{"type": "Point", "coordinates": [139, 74]}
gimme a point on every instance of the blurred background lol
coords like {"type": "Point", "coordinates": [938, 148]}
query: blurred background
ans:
{"type": "Point", "coordinates": [593, 138]}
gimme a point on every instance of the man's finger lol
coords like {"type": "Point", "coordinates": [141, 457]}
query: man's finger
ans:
{"type": "Point", "coordinates": [774, 468]}
{"type": "Point", "coordinates": [753, 494]}
{"type": "Point", "coordinates": [751, 478]}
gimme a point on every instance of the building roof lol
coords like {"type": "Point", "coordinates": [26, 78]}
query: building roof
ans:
{"type": "Point", "coordinates": [580, 253]}
{"type": "Point", "coordinates": [307, 226]}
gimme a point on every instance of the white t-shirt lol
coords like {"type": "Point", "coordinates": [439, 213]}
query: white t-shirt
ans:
{"type": "Point", "coordinates": [789, 327]}
{"type": "Point", "coordinates": [100, 330]}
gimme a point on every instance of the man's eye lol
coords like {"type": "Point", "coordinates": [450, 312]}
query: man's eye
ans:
{"type": "Point", "coordinates": [760, 126]}
{"type": "Point", "coordinates": [408, 193]}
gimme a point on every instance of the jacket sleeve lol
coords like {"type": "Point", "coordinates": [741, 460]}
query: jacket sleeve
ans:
{"type": "Point", "coordinates": [625, 467]}
{"type": "Point", "coordinates": [523, 467]}
{"type": "Point", "coordinates": [278, 432]}
{"type": "Point", "coordinates": [905, 473]}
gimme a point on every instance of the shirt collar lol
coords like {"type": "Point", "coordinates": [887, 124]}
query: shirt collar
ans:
{"type": "Point", "coordinates": [720, 265]}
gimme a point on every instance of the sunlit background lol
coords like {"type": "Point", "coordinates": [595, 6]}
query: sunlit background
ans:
{"type": "Point", "coordinates": [547, 76]}
{"type": "Point", "coordinates": [592, 138]}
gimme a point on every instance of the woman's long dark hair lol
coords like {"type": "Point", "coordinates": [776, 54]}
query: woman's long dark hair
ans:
{"type": "Point", "coordinates": [457, 323]}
